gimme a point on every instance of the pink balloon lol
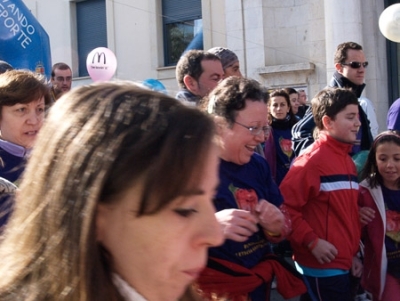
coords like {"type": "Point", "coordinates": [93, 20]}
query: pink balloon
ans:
{"type": "Point", "coordinates": [101, 64]}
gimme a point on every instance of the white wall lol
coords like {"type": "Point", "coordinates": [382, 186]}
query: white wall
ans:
{"type": "Point", "coordinates": [279, 42]}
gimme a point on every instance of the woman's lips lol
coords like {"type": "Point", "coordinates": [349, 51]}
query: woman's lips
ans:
{"type": "Point", "coordinates": [194, 273]}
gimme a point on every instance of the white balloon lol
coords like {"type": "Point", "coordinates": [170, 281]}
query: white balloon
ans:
{"type": "Point", "coordinates": [101, 64]}
{"type": "Point", "coordinates": [389, 23]}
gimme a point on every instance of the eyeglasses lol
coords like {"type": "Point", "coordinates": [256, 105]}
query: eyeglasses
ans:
{"type": "Point", "coordinates": [255, 130]}
{"type": "Point", "coordinates": [356, 65]}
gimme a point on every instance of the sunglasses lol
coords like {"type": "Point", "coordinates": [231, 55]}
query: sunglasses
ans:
{"type": "Point", "coordinates": [356, 65]}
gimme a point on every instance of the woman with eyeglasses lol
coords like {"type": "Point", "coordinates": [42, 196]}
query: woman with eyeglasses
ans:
{"type": "Point", "coordinates": [247, 199]}
{"type": "Point", "coordinates": [282, 121]}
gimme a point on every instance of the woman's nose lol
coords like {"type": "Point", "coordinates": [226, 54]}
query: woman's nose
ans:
{"type": "Point", "coordinates": [32, 118]}
{"type": "Point", "coordinates": [260, 137]}
{"type": "Point", "coordinates": [211, 231]}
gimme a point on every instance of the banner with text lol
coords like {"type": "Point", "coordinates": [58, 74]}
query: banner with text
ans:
{"type": "Point", "coordinates": [23, 41]}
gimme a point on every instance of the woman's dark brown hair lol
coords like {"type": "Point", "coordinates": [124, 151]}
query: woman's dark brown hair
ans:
{"type": "Point", "coordinates": [22, 86]}
{"type": "Point", "coordinates": [230, 97]}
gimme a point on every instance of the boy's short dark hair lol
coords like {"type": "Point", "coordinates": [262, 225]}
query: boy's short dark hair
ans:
{"type": "Point", "coordinates": [329, 102]}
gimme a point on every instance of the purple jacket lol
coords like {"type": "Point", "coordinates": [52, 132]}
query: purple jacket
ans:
{"type": "Point", "coordinates": [393, 116]}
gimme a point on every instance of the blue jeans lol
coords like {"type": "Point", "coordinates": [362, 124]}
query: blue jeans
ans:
{"type": "Point", "coordinates": [328, 288]}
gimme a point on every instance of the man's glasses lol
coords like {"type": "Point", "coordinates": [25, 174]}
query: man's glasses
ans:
{"type": "Point", "coordinates": [257, 130]}
{"type": "Point", "coordinates": [356, 65]}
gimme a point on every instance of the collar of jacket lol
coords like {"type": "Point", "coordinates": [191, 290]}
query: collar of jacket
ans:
{"type": "Point", "coordinates": [14, 149]}
{"type": "Point", "coordinates": [187, 96]}
{"type": "Point", "coordinates": [126, 291]}
{"type": "Point", "coordinates": [281, 124]}
{"type": "Point", "coordinates": [336, 145]}
{"type": "Point", "coordinates": [340, 81]}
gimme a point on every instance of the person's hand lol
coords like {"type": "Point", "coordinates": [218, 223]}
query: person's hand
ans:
{"type": "Point", "coordinates": [324, 251]}
{"type": "Point", "coordinates": [356, 267]}
{"type": "Point", "coordinates": [237, 225]}
{"type": "Point", "coordinates": [270, 217]}
{"type": "Point", "coordinates": [366, 215]}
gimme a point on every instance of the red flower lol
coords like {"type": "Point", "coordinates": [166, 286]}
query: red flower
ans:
{"type": "Point", "coordinates": [286, 146]}
{"type": "Point", "coordinates": [392, 221]}
{"type": "Point", "coordinates": [246, 198]}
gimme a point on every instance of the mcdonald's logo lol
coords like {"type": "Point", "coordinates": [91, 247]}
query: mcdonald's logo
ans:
{"type": "Point", "coordinates": [99, 55]}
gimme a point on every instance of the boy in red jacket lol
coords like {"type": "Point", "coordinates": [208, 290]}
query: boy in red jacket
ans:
{"type": "Point", "coordinates": [321, 191]}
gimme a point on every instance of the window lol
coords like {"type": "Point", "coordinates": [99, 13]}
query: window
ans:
{"type": "Point", "coordinates": [182, 26]}
{"type": "Point", "coordinates": [91, 29]}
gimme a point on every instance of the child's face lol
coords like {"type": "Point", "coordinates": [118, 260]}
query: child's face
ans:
{"type": "Point", "coordinates": [345, 126]}
{"type": "Point", "coordinates": [388, 162]}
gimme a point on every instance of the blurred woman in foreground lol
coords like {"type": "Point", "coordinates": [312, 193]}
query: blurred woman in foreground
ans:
{"type": "Point", "coordinates": [116, 201]}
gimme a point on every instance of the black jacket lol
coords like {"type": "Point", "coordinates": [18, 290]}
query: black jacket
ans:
{"type": "Point", "coordinates": [302, 132]}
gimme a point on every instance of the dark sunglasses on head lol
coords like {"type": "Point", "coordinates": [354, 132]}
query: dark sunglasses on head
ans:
{"type": "Point", "coordinates": [356, 65]}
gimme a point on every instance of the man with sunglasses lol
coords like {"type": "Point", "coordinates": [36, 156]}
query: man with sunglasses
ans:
{"type": "Point", "coordinates": [350, 65]}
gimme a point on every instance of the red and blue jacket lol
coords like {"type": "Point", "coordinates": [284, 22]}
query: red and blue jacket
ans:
{"type": "Point", "coordinates": [320, 192]}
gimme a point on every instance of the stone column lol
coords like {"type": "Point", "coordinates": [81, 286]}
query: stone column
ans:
{"type": "Point", "coordinates": [343, 23]}
{"type": "Point", "coordinates": [235, 31]}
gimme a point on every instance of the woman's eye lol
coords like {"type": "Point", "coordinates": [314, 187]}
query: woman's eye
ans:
{"type": "Point", "coordinates": [21, 110]}
{"type": "Point", "coordinates": [185, 212]}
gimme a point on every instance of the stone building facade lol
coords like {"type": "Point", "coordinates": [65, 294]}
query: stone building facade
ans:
{"type": "Point", "coordinates": [281, 43]}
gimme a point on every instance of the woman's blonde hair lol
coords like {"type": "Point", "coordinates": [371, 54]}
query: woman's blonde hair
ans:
{"type": "Point", "coordinates": [96, 142]}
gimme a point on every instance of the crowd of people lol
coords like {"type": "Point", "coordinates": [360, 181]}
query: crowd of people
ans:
{"type": "Point", "coordinates": [114, 192]}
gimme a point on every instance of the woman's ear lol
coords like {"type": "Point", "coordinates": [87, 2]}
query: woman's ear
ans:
{"type": "Point", "coordinates": [221, 124]}
{"type": "Point", "coordinates": [222, 132]}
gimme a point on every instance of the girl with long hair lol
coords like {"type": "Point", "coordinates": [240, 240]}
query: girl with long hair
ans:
{"type": "Point", "coordinates": [380, 215]}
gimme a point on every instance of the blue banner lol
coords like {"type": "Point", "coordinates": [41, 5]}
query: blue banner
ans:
{"type": "Point", "coordinates": [23, 42]}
